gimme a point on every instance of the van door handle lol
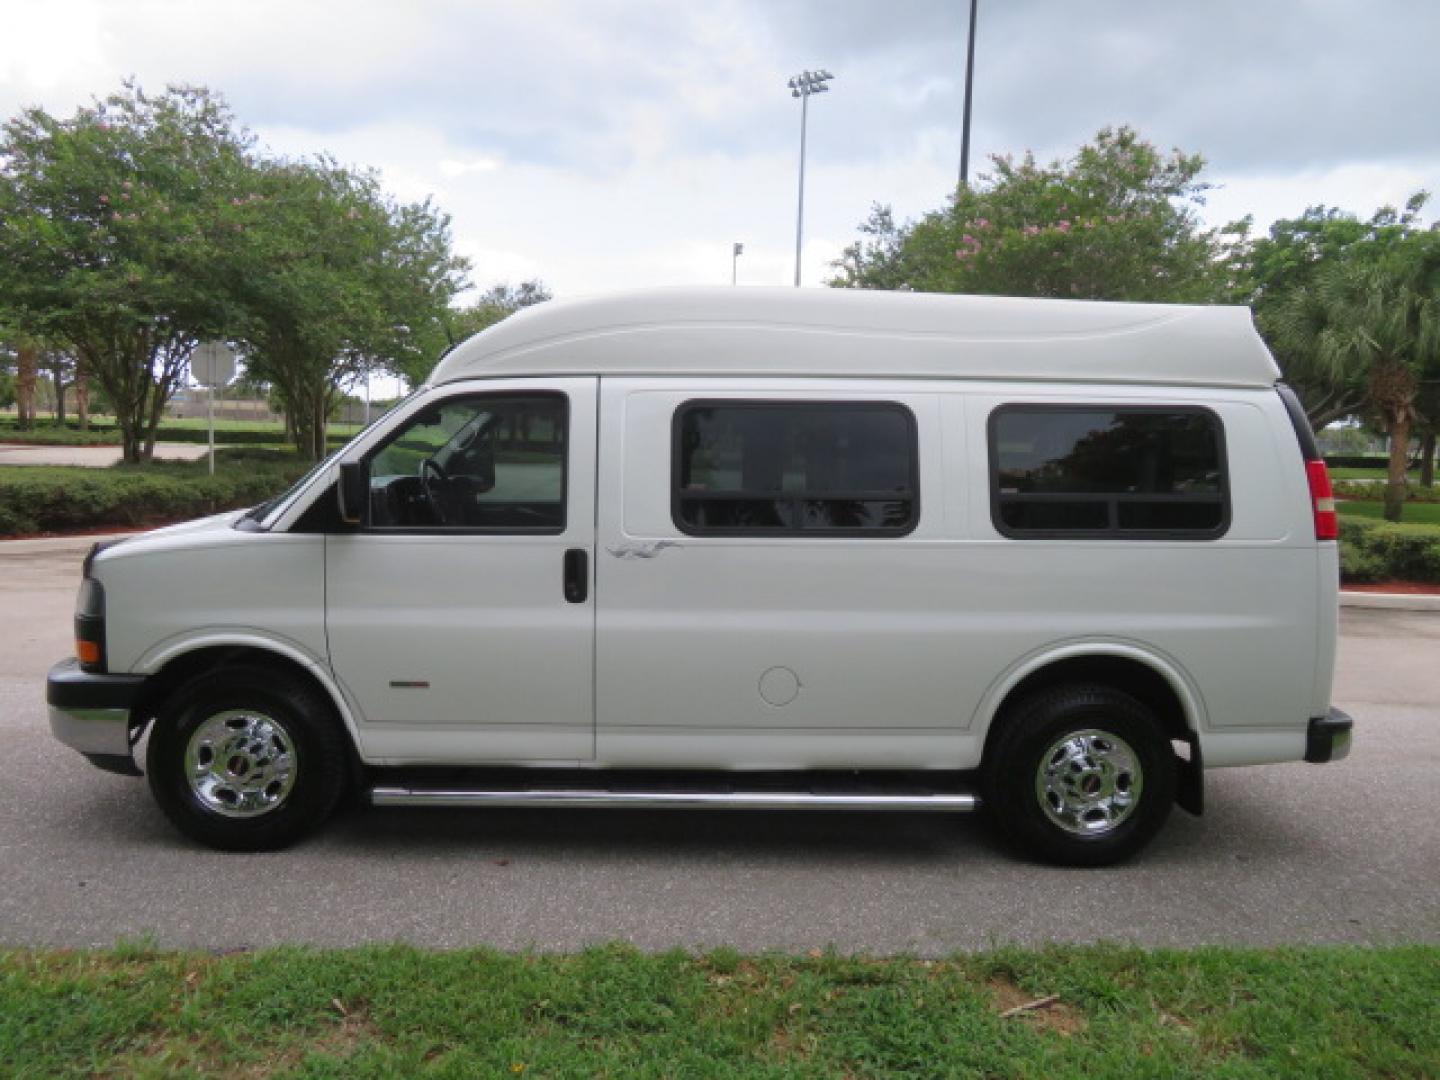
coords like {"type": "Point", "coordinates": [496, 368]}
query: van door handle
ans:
{"type": "Point", "coordinates": [577, 575]}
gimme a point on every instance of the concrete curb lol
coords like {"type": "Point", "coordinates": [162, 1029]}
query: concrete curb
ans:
{"type": "Point", "coordinates": [1390, 601]}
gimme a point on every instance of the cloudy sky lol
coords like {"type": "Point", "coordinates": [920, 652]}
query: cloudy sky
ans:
{"type": "Point", "coordinates": [608, 143]}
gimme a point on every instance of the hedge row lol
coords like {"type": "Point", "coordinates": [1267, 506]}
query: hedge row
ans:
{"type": "Point", "coordinates": [1375, 492]}
{"type": "Point", "coordinates": [58, 436]}
{"type": "Point", "coordinates": [1357, 461]}
{"type": "Point", "coordinates": [36, 500]}
{"type": "Point", "coordinates": [1381, 551]}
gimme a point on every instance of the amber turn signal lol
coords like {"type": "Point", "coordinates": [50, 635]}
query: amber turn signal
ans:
{"type": "Point", "coordinates": [88, 651]}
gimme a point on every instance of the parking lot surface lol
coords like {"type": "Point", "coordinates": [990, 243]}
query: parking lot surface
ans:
{"type": "Point", "coordinates": [1287, 853]}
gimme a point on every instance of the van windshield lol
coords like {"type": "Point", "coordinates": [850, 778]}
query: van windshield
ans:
{"type": "Point", "coordinates": [253, 518]}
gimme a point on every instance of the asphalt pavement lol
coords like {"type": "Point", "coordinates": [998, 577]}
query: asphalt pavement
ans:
{"type": "Point", "coordinates": [1288, 853]}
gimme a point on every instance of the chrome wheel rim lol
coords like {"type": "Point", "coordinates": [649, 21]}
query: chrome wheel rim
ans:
{"type": "Point", "coordinates": [1089, 782]}
{"type": "Point", "coordinates": [240, 763]}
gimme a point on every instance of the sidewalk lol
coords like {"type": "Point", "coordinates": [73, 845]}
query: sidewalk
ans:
{"type": "Point", "coordinates": [91, 457]}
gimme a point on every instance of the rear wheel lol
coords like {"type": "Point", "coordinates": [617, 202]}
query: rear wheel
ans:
{"type": "Point", "coordinates": [1080, 776]}
{"type": "Point", "coordinates": [246, 759]}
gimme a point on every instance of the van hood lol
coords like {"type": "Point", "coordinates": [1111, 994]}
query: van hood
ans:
{"type": "Point", "coordinates": [170, 536]}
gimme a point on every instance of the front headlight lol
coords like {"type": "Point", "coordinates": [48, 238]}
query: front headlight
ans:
{"type": "Point", "coordinates": [90, 625]}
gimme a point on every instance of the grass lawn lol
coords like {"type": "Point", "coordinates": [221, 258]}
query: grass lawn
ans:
{"type": "Point", "coordinates": [1416, 513]}
{"type": "Point", "coordinates": [199, 424]}
{"type": "Point", "coordinates": [1100, 1011]}
{"type": "Point", "coordinates": [1370, 474]}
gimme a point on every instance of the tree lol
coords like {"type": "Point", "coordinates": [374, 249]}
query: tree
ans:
{"type": "Point", "coordinates": [1427, 427]}
{"type": "Point", "coordinates": [1118, 221]}
{"type": "Point", "coordinates": [498, 302]}
{"type": "Point", "coordinates": [1377, 320]}
{"type": "Point", "coordinates": [1278, 272]}
{"type": "Point", "coordinates": [336, 280]}
{"type": "Point", "coordinates": [112, 224]}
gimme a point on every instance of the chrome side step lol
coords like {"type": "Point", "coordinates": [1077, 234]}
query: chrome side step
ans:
{"type": "Point", "coordinates": [932, 802]}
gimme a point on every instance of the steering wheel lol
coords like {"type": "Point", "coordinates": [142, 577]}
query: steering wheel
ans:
{"type": "Point", "coordinates": [427, 466]}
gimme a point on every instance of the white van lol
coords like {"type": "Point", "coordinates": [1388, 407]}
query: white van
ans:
{"type": "Point", "coordinates": [752, 548]}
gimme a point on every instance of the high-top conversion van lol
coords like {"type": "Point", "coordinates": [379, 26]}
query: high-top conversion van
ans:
{"type": "Point", "coordinates": [752, 548]}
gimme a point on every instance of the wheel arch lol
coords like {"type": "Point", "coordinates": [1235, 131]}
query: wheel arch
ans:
{"type": "Point", "coordinates": [171, 664]}
{"type": "Point", "coordinates": [1156, 681]}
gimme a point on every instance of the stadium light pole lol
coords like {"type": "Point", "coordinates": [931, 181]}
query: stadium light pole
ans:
{"type": "Point", "coordinates": [802, 86]}
{"type": "Point", "coordinates": [969, 86]}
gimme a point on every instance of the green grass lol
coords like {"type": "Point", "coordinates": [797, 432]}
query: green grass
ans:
{"type": "Point", "coordinates": [1370, 474]}
{"type": "Point", "coordinates": [397, 1011]}
{"type": "Point", "coordinates": [199, 424]}
{"type": "Point", "coordinates": [104, 433]}
{"type": "Point", "coordinates": [1415, 513]}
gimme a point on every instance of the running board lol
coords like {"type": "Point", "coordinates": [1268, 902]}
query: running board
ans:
{"type": "Point", "coordinates": [941, 802]}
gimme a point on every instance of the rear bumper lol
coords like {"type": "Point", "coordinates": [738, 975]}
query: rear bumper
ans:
{"type": "Point", "coordinates": [92, 714]}
{"type": "Point", "coordinates": [1328, 737]}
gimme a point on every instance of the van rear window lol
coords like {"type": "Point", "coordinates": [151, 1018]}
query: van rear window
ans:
{"type": "Point", "coordinates": [1101, 471]}
{"type": "Point", "coordinates": [811, 468]}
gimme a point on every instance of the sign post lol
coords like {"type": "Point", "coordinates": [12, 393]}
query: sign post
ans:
{"type": "Point", "coordinates": [212, 364]}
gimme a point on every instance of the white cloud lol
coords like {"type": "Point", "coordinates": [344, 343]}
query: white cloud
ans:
{"type": "Point", "coordinates": [612, 143]}
{"type": "Point", "coordinates": [451, 168]}
{"type": "Point", "coordinates": [1359, 188]}
{"type": "Point", "coordinates": [49, 53]}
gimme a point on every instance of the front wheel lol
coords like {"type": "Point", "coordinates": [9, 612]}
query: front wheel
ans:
{"type": "Point", "coordinates": [1080, 776]}
{"type": "Point", "coordinates": [246, 759]}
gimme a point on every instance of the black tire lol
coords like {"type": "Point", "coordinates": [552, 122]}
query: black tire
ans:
{"type": "Point", "coordinates": [1108, 787]}
{"type": "Point", "coordinates": [285, 757]}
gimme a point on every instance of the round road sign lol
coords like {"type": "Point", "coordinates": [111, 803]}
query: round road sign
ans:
{"type": "Point", "coordinates": [212, 363]}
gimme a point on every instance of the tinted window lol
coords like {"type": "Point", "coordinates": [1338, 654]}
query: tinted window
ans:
{"type": "Point", "coordinates": [1116, 471]}
{"type": "Point", "coordinates": [487, 462]}
{"type": "Point", "coordinates": [763, 467]}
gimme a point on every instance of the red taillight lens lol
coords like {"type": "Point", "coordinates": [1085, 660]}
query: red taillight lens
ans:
{"type": "Point", "coordinates": [1322, 499]}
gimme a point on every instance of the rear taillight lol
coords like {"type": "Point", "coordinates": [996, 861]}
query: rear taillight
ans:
{"type": "Point", "coordinates": [1322, 501]}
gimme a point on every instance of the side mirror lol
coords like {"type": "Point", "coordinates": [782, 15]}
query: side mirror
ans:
{"type": "Point", "coordinates": [353, 492]}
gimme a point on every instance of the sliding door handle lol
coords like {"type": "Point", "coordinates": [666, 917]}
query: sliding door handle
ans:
{"type": "Point", "coordinates": [577, 575]}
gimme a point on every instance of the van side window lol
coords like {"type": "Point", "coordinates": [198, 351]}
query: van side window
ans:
{"type": "Point", "coordinates": [483, 463]}
{"type": "Point", "coordinates": [760, 468]}
{"type": "Point", "coordinates": [1099, 471]}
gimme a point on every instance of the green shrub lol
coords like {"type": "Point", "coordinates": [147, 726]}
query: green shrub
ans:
{"type": "Point", "coordinates": [1378, 551]}
{"type": "Point", "coordinates": [1357, 461]}
{"type": "Point", "coordinates": [1360, 565]}
{"type": "Point", "coordinates": [1364, 492]}
{"type": "Point", "coordinates": [50, 435]}
{"type": "Point", "coordinates": [59, 499]}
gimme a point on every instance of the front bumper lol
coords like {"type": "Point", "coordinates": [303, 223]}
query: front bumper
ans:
{"type": "Point", "coordinates": [1328, 738]}
{"type": "Point", "coordinates": [91, 713]}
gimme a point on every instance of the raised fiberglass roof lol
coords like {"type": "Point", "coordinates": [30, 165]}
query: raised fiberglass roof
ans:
{"type": "Point", "coordinates": [862, 334]}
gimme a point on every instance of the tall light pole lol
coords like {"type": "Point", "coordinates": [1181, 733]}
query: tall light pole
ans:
{"type": "Point", "coordinates": [802, 86]}
{"type": "Point", "coordinates": [736, 250]}
{"type": "Point", "coordinates": [969, 85]}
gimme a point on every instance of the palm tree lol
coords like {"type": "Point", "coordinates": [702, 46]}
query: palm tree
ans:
{"type": "Point", "coordinates": [1377, 323]}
